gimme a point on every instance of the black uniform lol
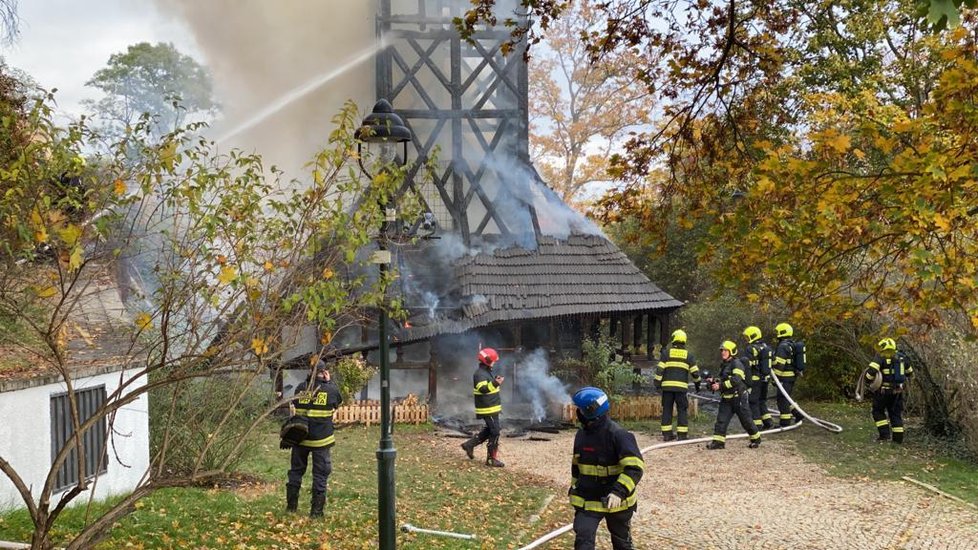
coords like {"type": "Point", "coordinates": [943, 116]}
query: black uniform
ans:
{"type": "Point", "coordinates": [606, 460]}
{"type": "Point", "coordinates": [888, 401]}
{"type": "Point", "coordinates": [733, 400]}
{"type": "Point", "coordinates": [672, 377]}
{"type": "Point", "coordinates": [317, 405]}
{"type": "Point", "coordinates": [787, 372]}
{"type": "Point", "coordinates": [759, 359]}
{"type": "Point", "coordinates": [488, 407]}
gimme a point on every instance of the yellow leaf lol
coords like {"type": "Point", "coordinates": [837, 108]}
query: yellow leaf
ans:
{"type": "Point", "coordinates": [268, 266]}
{"type": "Point", "coordinates": [36, 217]}
{"type": "Point", "coordinates": [45, 292]}
{"type": "Point", "coordinates": [41, 235]}
{"type": "Point", "coordinates": [327, 337]}
{"type": "Point", "coordinates": [228, 274]}
{"type": "Point", "coordinates": [327, 273]}
{"type": "Point", "coordinates": [143, 320]}
{"type": "Point", "coordinates": [75, 261]}
{"type": "Point", "coordinates": [259, 346]}
{"type": "Point", "coordinates": [840, 143]}
{"type": "Point", "coordinates": [119, 187]}
{"type": "Point", "coordinates": [870, 304]}
{"type": "Point", "coordinates": [70, 234]}
{"type": "Point", "coordinates": [168, 155]}
{"type": "Point", "coordinates": [942, 222]}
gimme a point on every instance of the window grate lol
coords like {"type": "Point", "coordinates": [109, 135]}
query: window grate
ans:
{"type": "Point", "coordinates": [93, 440]}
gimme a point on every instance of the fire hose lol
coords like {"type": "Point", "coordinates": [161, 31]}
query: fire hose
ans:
{"type": "Point", "coordinates": [408, 528]}
{"type": "Point", "coordinates": [824, 424]}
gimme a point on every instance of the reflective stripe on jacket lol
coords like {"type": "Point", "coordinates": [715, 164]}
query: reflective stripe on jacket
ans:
{"type": "Point", "coordinates": [318, 406]}
{"type": "Point", "coordinates": [759, 360]}
{"type": "Point", "coordinates": [606, 460]}
{"type": "Point", "coordinates": [486, 393]}
{"type": "Point", "coordinates": [894, 370]}
{"type": "Point", "coordinates": [784, 359]}
{"type": "Point", "coordinates": [676, 366]}
{"type": "Point", "coordinates": [731, 377]}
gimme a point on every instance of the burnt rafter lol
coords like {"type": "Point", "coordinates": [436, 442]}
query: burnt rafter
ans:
{"type": "Point", "coordinates": [464, 97]}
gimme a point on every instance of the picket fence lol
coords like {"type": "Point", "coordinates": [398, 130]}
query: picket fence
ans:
{"type": "Point", "coordinates": [368, 412]}
{"type": "Point", "coordinates": [644, 407]}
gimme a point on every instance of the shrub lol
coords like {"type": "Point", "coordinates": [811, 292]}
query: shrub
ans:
{"type": "Point", "coordinates": [602, 367]}
{"type": "Point", "coordinates": [352, 373]}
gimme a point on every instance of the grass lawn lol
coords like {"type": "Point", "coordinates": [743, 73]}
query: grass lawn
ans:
{"type": "Point", "coordinates": [433, 492]}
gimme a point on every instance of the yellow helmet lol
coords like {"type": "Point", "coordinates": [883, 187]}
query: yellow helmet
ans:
{"type": "Point", "coordinates": [729, 346]}
{"type": "Point", "coordinates": [752, 334]}
{"type": "Point", "coordinates": [784, 330]}
{"type": "Point", "coordinates": [885, 345]}
{"type": "Point", "coordinates": [679, 336]}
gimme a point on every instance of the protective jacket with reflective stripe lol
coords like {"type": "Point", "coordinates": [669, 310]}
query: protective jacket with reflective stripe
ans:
{"type": "Point", "coordinates": [318, 405]}
{"type": "Point", "coordinates": [894, 370]}
{"type": "Point", "coordinates": [759, 360]}
{"type": "Point", "coordinates": [606, 460]}
{"type": "Point", "coordinates": [784, 359]}
{"type": "Point", "coordinates": [731, 377]}
{"type": "Point", "coordinates": [486, 393]}
{"type": "Point", "coordinates": [676, 366]}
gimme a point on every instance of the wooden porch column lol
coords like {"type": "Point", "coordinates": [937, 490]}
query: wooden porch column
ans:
{"type": "Point", "coordinates": [432, 373]}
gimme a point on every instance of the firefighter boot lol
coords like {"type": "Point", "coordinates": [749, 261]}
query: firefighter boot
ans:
{"type": "Point", "coordinates": [683, 436]}
{"type": "Point", "coordinates": [668, 436]}
{"type": "Point", "coordinates": [897, 437]}
{"type": "Point", "coordinates": [318, 503]}
{"type": "Point", "coordinates": [492, 459]}
{"type": "Point", "coordinates": [766, 424]}
{"type": "Point", "coordinates": [291, 498]}
{"type": "Point", "coordinates": [469, 446]}
{"type": "Point", "coordinates": [754, 443]}
{"type": "Point", "coordinates": [713, 445]}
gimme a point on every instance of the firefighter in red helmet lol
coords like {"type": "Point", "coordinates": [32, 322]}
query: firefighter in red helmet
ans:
{"type": "Point", "coordinates": [488, 405]}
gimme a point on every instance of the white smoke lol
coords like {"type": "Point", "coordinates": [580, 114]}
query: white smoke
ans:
{"type": "Point", "coordinates": [540, 388]}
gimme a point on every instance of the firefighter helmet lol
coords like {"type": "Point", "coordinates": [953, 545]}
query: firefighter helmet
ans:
{"type": "Point", "coordinates": [729, 346]}
{"type": "Point", "coordinates": [784, 330]}
{"type": "Point", "coordinates": [488, 356]}
{"type": "Point", "coordinates": [752, 334]}
{"type": "Point", "coordinates": [885, 345]}
{"type": "Point", "coordinates": [679, 336]}
{"type": "Point", "coordinates": [592, 402]}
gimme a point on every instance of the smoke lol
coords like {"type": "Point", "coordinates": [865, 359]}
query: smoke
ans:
{"type": "Point", "coordinates": [538, 386]}
{"type": "Point", "coordinates": [259, 52]}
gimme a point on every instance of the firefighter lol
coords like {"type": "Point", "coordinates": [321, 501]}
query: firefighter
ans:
{"type": "Point", "coordinates": [606, 467]}
{"type": "Point", "coordinates": [672, 377]}
{"type": "Point", "coordinates": [893, 366]}
{"type": "Point", "coordinates": [488, 406]}
{"type": "Point", "coordinates": [733, 398]}
{"type": "Point", "coordinates": [758, 356]}
{"type": "Point", "coordinates": [788, 366]}
{"type": "Point", "coordinates": [316, 402]}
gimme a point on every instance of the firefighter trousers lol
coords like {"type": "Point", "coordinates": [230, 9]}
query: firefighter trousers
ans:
{"type": "Point", "coordinates": [888, 414]}
{"type": "Point", "coordinates": [785, 409]}
{"type": "Point", "coordinates": [322, 466]}
{"type": "Point", "coordinates": [730, 406]}
{"type": "Point", "coordinates": [490, 432]}
{"type": "Point", "coordinates": [619, 525]}
{"type": "Point", "coordinates": [758, 401]}
{"type": "Point", "coordinates": [680, 401]}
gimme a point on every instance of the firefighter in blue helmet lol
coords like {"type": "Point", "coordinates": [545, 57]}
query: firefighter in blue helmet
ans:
{"type": "Point", "coordinates": [607, 466]}
{"type": "Point", "coordinates": [733, 398]}
{"type": "Point", "coordinates": [893, 366]}
{"type": "Point", "coordinates": [316, 402]}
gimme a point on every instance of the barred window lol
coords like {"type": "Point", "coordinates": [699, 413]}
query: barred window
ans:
{"type": "Point", "coordinates": [93, 439]}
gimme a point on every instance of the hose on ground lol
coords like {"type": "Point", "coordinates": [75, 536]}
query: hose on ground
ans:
{"type": "Point", "coordinates": [824, 424]}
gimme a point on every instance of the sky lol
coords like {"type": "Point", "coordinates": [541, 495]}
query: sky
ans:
{"type": "Point", "coordinates": [62, 43]}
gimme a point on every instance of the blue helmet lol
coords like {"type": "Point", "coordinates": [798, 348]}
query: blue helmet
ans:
{"type": "Point", "coordinates": [592, 402]}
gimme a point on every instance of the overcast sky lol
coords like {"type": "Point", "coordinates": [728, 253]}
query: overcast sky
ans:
{"type": "Point", "coordinates": [63, 42]}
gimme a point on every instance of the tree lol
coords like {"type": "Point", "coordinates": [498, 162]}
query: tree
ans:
{"type": "Point", "coordinates": [156, 80]}
{"type": "Point", "coordinates": [229, 257]}
{"type": "Point", "coordinates": [9, 22]}
{"type": "Point", "coordinates": [580, 110]}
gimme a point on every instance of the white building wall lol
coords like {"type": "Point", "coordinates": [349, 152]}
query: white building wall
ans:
{"type": "Point", "coordinates": [25, 438]}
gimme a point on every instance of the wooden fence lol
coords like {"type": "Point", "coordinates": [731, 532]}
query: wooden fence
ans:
{"type": "Point", "coordinates": [644, 407]}
{"type": "Point", "coordinates": [368, 412]}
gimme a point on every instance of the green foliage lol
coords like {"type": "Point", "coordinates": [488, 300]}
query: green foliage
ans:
{"type": "Point", "coordinates": [711, 321]}
{"type": "Point", "coordinates": [154, 79]}
{"type": "Point", "coordinates": [602, 367]}
{"type": "Point", "coordinates": [352, 374]}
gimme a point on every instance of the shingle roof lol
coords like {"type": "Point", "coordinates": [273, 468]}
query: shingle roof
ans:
{"type": "Point", "coordinates": [578, 275]}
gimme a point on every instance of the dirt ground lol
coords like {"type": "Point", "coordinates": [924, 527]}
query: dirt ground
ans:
{"type": "Point", "coordinates": [768, 498]}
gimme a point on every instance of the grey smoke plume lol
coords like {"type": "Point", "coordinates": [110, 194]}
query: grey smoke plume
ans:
{"type": "Point", "coordinates": [540, 388]}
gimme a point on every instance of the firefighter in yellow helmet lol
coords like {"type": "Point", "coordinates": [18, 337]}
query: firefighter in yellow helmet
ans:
{"type": "Point", "coordinates": [758, 357]}
{"type": "Point", "coordinates": [672, 376]}
{"type": "Point", "coordinates": [893, 366]}
{"type": "Point", "coordinates": [789, 365]}
{"type": "Point", "coordinates": [733, 398]}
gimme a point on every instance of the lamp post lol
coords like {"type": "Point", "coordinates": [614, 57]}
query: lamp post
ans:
{"type": "Point", "coordinates": [384, 129]}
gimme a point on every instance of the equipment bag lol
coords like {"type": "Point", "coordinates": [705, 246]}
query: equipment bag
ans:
{"type": "Point", "coordinates": [294, 430]}
{"type": "Point", "coordinates": [798, 347]}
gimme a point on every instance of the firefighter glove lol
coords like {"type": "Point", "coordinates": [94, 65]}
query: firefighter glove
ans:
{"type": "Point", "coordinates": [612, 501]}
{"type": "Point", "coordinates": [696, 385]}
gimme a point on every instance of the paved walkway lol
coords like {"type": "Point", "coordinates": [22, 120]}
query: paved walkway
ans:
{"type": "Point", "coordinates": [768, 498]}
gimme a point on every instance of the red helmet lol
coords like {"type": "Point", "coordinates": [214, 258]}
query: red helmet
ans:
{"type": "Point", "coordinates": [488, 356]}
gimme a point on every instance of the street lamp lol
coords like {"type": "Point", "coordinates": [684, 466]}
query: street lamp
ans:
{"type": "Point", "coordinates": [382, 128]}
